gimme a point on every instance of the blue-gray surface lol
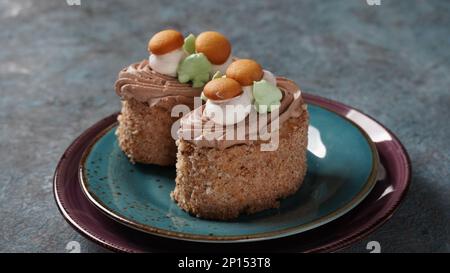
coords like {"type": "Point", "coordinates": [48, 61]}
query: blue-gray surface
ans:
{"type": "Point", "coordinates": [58, 64]}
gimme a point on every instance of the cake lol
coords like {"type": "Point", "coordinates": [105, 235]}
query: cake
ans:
{"type": "Point", "coordinates": [174, 74]}
{"type": "Point", "coordinates": [245, 148]}
{"type": "Point", "coordinates": [240, 144]}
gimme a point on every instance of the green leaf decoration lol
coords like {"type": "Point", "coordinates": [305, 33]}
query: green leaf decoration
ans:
{"type": "Point", "coordinates": [267, 96]}
{"type": "Point", "coordinates": [217, 75]}
{"type": "Point", "coordinates": [189, 44]}
{"type": "Point", "coordinates": [194, 68]}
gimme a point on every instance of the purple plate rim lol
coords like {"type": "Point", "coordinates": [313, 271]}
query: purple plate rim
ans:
{"type": "Point", "coordinates": [333, 245]}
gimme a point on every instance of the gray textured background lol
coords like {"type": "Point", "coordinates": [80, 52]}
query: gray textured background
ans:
{"type": "Point", "coordinates": [58, 64]}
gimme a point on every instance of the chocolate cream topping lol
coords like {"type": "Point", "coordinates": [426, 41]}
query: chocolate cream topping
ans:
{"type": "Point", "coordinates": [138, 81]}
{"type": "Point", "coordinates": [198, 129]}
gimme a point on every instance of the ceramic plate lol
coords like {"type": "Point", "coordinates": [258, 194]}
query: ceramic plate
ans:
{"type": "Point", "coordinates": [342, 165]}
{"type": "Point", "coordinates": [390, 189]}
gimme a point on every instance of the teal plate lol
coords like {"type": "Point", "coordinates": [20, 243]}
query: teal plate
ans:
{"type": "Point", "coordinates": [342, 168]}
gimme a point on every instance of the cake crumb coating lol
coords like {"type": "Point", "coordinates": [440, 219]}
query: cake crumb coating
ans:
{"type": "Point", "coordinates": [241, 179]}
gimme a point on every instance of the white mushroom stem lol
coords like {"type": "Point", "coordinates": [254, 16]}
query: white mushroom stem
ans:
{"type": "Point", "coordinates": [222, 67]}
{"type": "Point", "coordinates": [167, 64]}
{"type": "Point", "coordinates": [269, 77]}
{"type": "Point", "coordinates": [232, 112]}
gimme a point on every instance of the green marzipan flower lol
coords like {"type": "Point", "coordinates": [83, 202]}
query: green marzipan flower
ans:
{"type": "Point", "coordinates": [194, 68]}
{"type": "Point", "coordinates": [267, 96]}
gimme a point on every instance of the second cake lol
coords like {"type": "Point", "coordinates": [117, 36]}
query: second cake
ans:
{"type": "Point", "coordinates": [173, 75]}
